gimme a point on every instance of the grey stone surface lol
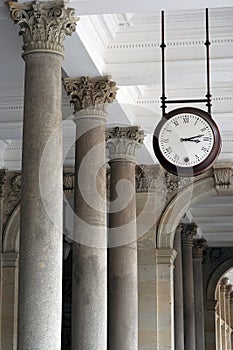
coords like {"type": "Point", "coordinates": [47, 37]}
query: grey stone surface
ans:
{"type": "Point", "coordinates": [187, 233]}
{"type": "Point", "coordinates": [40, 233]}
{"type": "Point", "coordinates": [89, 292]}
{"type": "Point", "coordinates": [178, 293]}
{"type": "Point", "coordinates": [122, 259]}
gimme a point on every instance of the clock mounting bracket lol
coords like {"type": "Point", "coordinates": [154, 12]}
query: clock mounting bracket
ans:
{"type": "Point", "coordinates": [207, 99]}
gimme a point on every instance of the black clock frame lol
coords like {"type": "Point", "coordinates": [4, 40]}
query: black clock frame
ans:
{"type": "Point", "coordinates": [206, 163]}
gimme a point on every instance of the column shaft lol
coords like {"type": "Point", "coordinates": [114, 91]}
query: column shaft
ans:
{"type": "Point", "coordinates": [122, 270]}
{"type": "Point", "coordinates": [178, 293]}
{"type": "Point", "coordinates": [188, 286]}
{"type": "Point", "coordinates": [199, 245]}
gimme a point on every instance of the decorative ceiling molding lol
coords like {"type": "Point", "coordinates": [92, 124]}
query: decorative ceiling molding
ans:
{"type": "Point", "coordinates": [148, 45]}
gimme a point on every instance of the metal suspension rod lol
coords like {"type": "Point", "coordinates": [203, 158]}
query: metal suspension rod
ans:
{"type": "Point", "coordinates": [163, 46]}
{"type": "Point", "coordinates": [207, 44]}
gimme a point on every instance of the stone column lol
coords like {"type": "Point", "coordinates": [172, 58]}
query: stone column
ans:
{"type": "Point", "coordinates": [43, 27]}
{"type": "Point", "coordinates": [229, 289]}
{"type": "Point", "coordinates": [2, 191]}
{"type": "Point", "coordinates": [187, 233]}
{"type": "Point", "coordinates": [198, 248]}
{"type": "Point", "coordinates": [178, 292]}
{"type": "Point", "coordinates": [122, 253]}
{"type": "Point", "coordinates": [231, 313]}
{"type": "Point", "coordinates": [210, 324]}
{"type": "Point", "coordinates": [89, 291]}
{"type": "Point", "coordinates": [218, 320]}
{"type": "Point", "coordinates": [9, 300]}
{"type": "Point", "coordinates": [223, 283]}
{"type": "Point", "coordinates": [165, 298]}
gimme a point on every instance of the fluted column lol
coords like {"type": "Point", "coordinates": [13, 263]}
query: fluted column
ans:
{"type": "Point", "coordinates": [223, 283]}
{"type": "Point", "coordinates": [178, 292]}
{"type": "Point", "coordinates": [43, 27]}
{"type": "Point", "coordinates": [90, 97]}
{"type": "Point", "coordinates": [198, 248]}
{"type": "Point", "coordinates": [229, 289]}
{"type": "Point", "coordinates": [122, 253]}
{"type": "Point", "coordinates": [187, 233]}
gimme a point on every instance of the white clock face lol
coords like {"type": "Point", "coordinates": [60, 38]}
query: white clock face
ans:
{"type": "Point", "coordinates": [186, 140]}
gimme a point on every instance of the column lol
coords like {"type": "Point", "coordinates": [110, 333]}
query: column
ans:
{"type": "Point", "coordinates": [187, 233]}
{"type": "Point", "coordinates": [43, 27]}
{"type": "Point", "coordinates": [90, 97]}
{"type": "Point", "coordinates": [231, 313]}
{"type": "Point", "coordinates": [210, 324]}
{"type": "Point", "coordinates": [122, 253]}
{"type": "Point", "coordinates": [229, 289]}
{"type": "Point", "coordinates": [165, 298]}
{"type": "Point", "coordinates": [178, 292]}
{"type": "Point", "coordinates": [223, 283]}
{"type": "Point", "coordinates": [9, 300]}
{"type": "Point", "coordinates": [218, 320]}
{"type": "Point", "coordinates": [198, 248]}
{"type": "Point", "coordinates": [2, 192]}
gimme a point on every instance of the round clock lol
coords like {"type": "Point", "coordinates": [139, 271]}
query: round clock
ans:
{"type": "Point", "coordinates": [187, 141]}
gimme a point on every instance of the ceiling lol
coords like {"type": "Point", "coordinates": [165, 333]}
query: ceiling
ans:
{"type": "Point", "coordinates": [122, 38]}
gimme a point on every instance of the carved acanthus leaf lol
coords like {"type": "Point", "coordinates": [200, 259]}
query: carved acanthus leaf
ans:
{"type": "Point", "coordinates": [199, 245]}
{"type": "Point", "coordinates": [188, 231]}
{"type": "Point", "coordinates": [122, 142]}
{"type": "Point", "coordinates": [44, 25]}
{"type": "Point", "coordinates": [90, 93]}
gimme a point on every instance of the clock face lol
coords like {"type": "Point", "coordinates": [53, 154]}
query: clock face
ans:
{"type": "Point", "coordinates": [186, 140]}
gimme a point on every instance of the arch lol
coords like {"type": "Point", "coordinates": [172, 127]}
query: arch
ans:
{"type": "Point", "coordinates": [216, 276]}
{"type": "Point", "coordinates": [11, 232]}
{"type": "Point", "coordinates": [178, 206]}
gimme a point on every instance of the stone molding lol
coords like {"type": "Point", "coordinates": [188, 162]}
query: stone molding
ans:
{"type": "Point", "coordinates": [199, 245]}
{"type": "Point", "coordinates": [2, 182]}
{"type": "Point", "coordinates": [122, 142]}
{"type": "Point", "coordinates": [188, 231]}
{"type": "Point", "coordinates": [165, 256]}
{"type": "Point", "coordinates": [44, 25]}
{"type": "Point", "coordinates": [90, 94]}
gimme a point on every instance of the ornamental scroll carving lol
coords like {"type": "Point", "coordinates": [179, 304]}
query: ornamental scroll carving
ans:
{"type": "Point", "coordinates": [90, 93]}
{"type": "Point", "coordinates": [44, 25]}
{"type": "Point", "coordinates": [122, 142]}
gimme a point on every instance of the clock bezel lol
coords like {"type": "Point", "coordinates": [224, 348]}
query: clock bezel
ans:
{"type": "Point", "coordinates": [207, 162]}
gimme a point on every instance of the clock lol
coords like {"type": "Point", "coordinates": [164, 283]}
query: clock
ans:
{"type": "Point", "coordinates": [187, 141]}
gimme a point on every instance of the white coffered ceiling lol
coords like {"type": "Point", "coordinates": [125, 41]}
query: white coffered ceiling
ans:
{"type": "Point", "coordinates": [122, 38]}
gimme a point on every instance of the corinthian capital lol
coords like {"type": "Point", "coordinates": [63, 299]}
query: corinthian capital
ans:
{"type": "Point", "coordinates": [122, 143]}
{"type": "Point", "coordinates": [44, 25]}
{"type": "Point", "coordinates": [187, 233]}
{"type": "Point", "coordinates": [90, 93]}
{"type": "Point", "coordinates": [199, 245]}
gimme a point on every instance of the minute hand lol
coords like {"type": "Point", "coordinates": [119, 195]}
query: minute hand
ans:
{"type": "Point", "coordinates": [193, 137]}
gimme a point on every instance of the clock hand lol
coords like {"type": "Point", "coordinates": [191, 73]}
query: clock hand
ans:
{"type": "Point", "coordinates": [194, 137]}
{"type": "Point", "coordinates": [189, 139]}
